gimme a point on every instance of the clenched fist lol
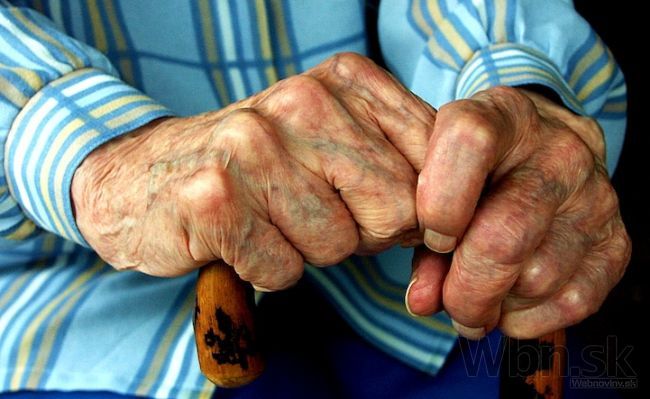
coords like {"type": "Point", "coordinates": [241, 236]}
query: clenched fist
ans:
{"type": "Point", "coordinates": [517, 186]}
{"type": "Point", "coordinates": [315, 168]}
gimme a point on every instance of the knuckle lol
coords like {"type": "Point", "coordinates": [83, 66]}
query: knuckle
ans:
{"type": "Point", "coordinates": [593, 133]}
{"type": "Point", "coordinates": [348, 65]}
{"type": "Point", "coordinates": [577, 304]}
{"type": "Point", "coordinates": [573, 156]}
{"type": "Point", "coordinates": [470, 125]}
{"type": "Point", "coordinates": [296, 94]}
{"type": "Point", "coordinates": [246, 117]}
{"type": "Point", "coordinates": [620, 253]}
{"type": "Point", "coordinates": [300, 89]}
{"type": "Point", "coordinates": [512, 99]}
{"type": "Point", "coordinates": [506, 241]}
{"type": "Point", "coordinates": [608, 200]}
{"type": "Point", "coordinates": [538, 281]}
{"type": "Point", "coordinates": [483, 138]}
{"type": "Point", "coordinates": [244, 131]}
{"type": "Point", "coordinates": [205, 191]}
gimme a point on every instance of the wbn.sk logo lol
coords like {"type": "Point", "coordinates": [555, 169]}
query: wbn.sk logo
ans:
{"type": "Point", "coordinates": [602, 366]}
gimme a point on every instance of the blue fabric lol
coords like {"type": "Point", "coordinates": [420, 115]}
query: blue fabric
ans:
{"type": "Point", "coordinates": [334, 362]}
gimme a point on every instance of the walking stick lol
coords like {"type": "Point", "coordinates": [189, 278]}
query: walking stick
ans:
{"type": "Point", "coordinates": [224, 329]}
{"type": "Point", "coordinates": [533, 369]}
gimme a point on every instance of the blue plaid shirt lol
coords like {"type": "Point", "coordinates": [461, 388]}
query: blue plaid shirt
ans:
{"type": "Point", "coordinates": [75, 74]}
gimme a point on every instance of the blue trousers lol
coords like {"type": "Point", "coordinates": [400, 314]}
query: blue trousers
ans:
{"type": "Point", "coordinates": [312, 353]}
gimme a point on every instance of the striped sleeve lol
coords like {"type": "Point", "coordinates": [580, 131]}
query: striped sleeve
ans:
{"type": "Point", "coordinates": [59, 99]}
{"type": "Point", "coordinates": [451, 49]}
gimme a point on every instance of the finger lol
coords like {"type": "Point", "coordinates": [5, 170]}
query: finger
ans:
{"type": "Point", "coordinates": [225, 205]}
{"type": "Point", "coordinates": [218, 228]}
{"type": "Point", "coordinates": [424, 294]}
{"type": "Point", "coordinates": [581, 223]}
{"type": "Point", "coordinates": [275, 265]}
{"type": "Point", "coordinates": [162, 256]}
{"type": "Point", "coordinates": [311, 215]}
{"type": "Point", "coordinates": [581, 296]}
{"type": "Point", "coordinates": [470, 138]}
{"type": "Point", "coordinates": [508, 226]}
{"type": "Point", "coordinates": [379, 103]}
{"type": "Point", "coordinates": [374, 180]}
{"type": "Point", "coordinates": [306, 210]}
{"type": "Point", "coordinates": [550, 267]}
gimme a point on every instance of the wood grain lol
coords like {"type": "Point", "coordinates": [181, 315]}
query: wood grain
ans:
{"type": "Point", "coordinates": [224, 327]}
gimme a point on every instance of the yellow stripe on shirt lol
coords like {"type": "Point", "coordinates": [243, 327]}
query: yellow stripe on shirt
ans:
{"type": "Point", "coordinates": [44, 177]}
{"type": "Point", "coordinates": [265, 41]}
{"type": "Point", "coordinates": [281, 25]}
{"type": "Point", "coordinates": [10, 92]}
{"type": "Point", "coordinates": [397, 307]}
{"type": "Point", "coordinates": [602, 76]}
{"type": "Point", "coordinates": [436, 51]}
{"type": "Point", "coordinates": [499, 23]}
{"type": "Point", "coordinates": [594, 53]}
{"type": "Point", "coordinates": [115, 104]}
{"type": "Point", "coordinates": [99, 35]}
{"type": "Point", "coordinates": [45, 349]}
{"type": "Point", "coordinates": [448, 30]}
{"type": "Point", "coordinates": [29, 77]}
{"type": "Point", "coordinates": [125, 64]}
{"type": "Point", "coordinates": [35, 30]}
{"type": "Point", "coordinates": [211, 51]}
{"type": "Point", "coordinates": [26, 228]}
{"type": "Point", "coordinates": [157, 362]}
{"type": "Point", "coordinates": [27, 342]}
{"type": "Point", "coordinates": [14, 288]}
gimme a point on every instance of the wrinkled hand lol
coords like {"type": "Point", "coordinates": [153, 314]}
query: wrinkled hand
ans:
{"type": "Point", "coordinates": [315, 168]}
{"type": "Point", "coordinates": [517, 186]}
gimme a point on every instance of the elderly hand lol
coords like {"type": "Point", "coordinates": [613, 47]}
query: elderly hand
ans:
{"type": "Point", "coordinates": [315, 168]}
{"type": "Point", "coordinates": [517, 186]}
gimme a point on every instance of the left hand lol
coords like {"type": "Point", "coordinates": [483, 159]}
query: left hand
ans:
{"type": "Point", "coordinates": [516, 186]}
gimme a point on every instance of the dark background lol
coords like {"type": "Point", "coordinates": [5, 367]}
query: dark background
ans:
{"type": "Point", "coordinates": [621, 25]}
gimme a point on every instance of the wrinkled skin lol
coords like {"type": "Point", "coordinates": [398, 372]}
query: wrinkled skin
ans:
{"type": "Point", "coordinates": [516, 186]}
{"type": "Point", "coordinates": [336, 161]}
{"type": "Point", "coordinates": [315, 168]}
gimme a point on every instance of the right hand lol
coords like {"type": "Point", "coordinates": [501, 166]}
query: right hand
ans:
{"type": "Point", "coordinates": [315, 168]}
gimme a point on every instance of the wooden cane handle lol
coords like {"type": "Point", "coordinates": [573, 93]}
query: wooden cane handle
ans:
{"type": "Point", "coordinates": [549, 382]}
{"type": "Point", "coordinates": [226, 341]}
{"type": "Point", "coordinates": [534, 369]}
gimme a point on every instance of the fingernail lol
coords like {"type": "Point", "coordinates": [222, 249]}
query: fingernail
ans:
{"type": "Point", "coordinates": [439, 242]}
{"type": "Point", "coordinates": [406, 297]}
{"type": "Point", "coordinates": [468, 332]}
{"type": "Point", "coordinates": [260, 289]}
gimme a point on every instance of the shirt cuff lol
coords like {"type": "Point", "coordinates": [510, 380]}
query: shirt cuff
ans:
{"type": "Point", "coordinates": [511, 64]}
{"type": "Point", "coordinates": [57, 128]}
